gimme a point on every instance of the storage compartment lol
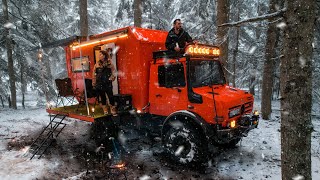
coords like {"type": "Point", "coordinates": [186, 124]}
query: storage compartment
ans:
{"type": "Point", "coordinates": [123, 102]}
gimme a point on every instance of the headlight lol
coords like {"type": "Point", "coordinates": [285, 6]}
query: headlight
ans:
{"type": "Point", "coordinates": [233, 124]}
{"type": "Point", "coordinates": [234, 112]}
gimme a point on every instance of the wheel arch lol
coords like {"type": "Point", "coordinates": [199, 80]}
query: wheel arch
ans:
{"type": "Point", "coordinates": [187, 117]}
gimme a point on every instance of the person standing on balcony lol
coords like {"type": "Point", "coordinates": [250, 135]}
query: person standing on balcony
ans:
{"type": "Point", "coordinates": [103, 75]}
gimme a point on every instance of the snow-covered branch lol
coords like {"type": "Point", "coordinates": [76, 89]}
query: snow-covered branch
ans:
{"type": "Point", "coordinates": [255, 19]}
{"type": "Point", "coordinates": [275, 58]}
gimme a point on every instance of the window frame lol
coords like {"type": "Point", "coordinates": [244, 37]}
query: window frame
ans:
{"type": "Point", "coordinates": [164, 73]}
{"type": "Point", "coordinates": [84, 58]}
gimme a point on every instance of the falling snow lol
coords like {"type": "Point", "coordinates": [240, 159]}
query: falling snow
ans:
{"type": "Point", "coordinates": [9, 25]}
{"type": "Point", "coordinates": [115, 49]}
{"type": "Point", "coordinates": [281, 25]}
{"type": "Point", "coordinates": [252, 49]}
{"type": "Point", "coordinates": [145, 177]}
{"type": "Point", "coordinates": [302, 61]}
{"type": "Point", "coordinates": [298, 177]}
{"type": "Point", "coordinates": [179, 150]}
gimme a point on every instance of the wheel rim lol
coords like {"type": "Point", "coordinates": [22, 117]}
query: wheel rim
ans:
{"type": "Point", "coordinates": [181, 147]}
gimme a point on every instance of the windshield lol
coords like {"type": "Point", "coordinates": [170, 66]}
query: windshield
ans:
{"type": "Point", "coordinates": [205, 73]}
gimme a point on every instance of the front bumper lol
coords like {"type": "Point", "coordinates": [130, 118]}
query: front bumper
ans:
{"type": "Point", "coordinates": [244, 125]}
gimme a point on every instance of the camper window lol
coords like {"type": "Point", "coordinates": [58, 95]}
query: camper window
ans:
{"type": "Point", "coordinates": [78, 63]}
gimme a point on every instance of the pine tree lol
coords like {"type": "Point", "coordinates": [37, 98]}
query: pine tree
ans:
{"type": "Point", "coordinates": [137, 13]}
{"type": "Point", "coordinates": [296, 89]}
{"type": "Point", "coordinates": [268, 68]}
{"type": "Point", "coordinates": [11, 72]}
{"type": "Point", "coordinates": [83, 12]}
{"type": "Point", "coordinates": [222, 33]}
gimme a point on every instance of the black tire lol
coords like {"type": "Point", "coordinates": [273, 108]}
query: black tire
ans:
{"type": "Point", "coordinates": [185, 146]}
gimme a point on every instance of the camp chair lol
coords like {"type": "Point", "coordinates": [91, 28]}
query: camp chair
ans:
{"type": "Point", "coordinates": [91, 93]}
{"type": "Point", "coordinates": [65, 92]}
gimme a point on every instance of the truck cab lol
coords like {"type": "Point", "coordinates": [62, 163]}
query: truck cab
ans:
{"type": "Point", "coordinates": [190, 90]}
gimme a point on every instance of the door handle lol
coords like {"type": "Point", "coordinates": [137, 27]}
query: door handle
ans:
{"type": "Point", "coordinates": [178, 89]}
{"type": "Point", "coordinates": [190, 107]}
{"type": "Point", "coordinates": [158, 95]}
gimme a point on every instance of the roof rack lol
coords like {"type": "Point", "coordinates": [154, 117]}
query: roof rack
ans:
{"type": "Point", "coordinates": [167, 54]}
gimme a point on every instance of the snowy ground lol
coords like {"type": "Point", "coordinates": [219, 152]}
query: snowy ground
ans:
{"type": "Point", "coordinates": [74, 157]}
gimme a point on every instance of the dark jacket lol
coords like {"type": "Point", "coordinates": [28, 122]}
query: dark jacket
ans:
{"type": "Point", "coordinates": [103, 72]}
{"type": "Point", "coordinates": [180, 38]}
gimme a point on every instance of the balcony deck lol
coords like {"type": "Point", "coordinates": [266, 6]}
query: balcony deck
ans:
{"type": "Point", "coordinates": [79, 112]}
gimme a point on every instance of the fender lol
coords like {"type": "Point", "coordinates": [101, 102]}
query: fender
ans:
{"type": "Point", "coordinates": [206, 128]}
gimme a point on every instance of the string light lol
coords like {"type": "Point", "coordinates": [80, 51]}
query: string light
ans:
{"type": "Point", "coordinates": [87, 43]}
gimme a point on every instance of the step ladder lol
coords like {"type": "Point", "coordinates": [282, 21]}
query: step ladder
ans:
{"type": "Point", "coordinates": [48, 135]}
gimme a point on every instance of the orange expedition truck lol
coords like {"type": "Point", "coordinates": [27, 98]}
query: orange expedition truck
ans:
{"type": "Point", "coordinates": [186, 94]}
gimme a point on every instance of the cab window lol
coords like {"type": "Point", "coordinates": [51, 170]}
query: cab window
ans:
{"type": "Point", "coordinates": [171, 75]}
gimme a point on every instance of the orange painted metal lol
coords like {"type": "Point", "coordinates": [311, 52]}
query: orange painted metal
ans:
{"type": "Point", "coordinates": [72, 115]}
{"type": "Point", "coordinates": [133, 61]}
{"type": "Point", "coordinates": [164, 101]}
{"type": "Point", "coordinates": [138, 76]}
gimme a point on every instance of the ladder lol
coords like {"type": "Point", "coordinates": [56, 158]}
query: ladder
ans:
{"type": "Point", "coordinates": [48, 135]}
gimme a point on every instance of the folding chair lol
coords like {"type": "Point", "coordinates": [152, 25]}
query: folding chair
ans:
{"type": "Point", "coordinates": [91, 93]}
{"type": "Point", "coordinates": [65, 92]}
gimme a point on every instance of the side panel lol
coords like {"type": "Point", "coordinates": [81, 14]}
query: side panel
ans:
{"type": "Point", "coordinates": [76, 77]}
{"type": "Point", "coordinates": [134, 55]}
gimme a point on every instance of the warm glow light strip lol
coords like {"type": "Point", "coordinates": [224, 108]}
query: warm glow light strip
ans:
{"type": "Point", "coordinates": [98, 41]}
{"type": "Point", "coordinates": [203, 50]}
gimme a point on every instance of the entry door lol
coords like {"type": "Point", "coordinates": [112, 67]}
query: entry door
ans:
{"type": "Point", "coordinates": [169, 93]}
{"type": "Point", "coordinates": [112, 48]}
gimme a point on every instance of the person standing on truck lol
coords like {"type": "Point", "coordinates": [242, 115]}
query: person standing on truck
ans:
{"type": "Point", "coordinates": [103, 75]}
{"type": "Point", "coordinates": [177, 38]}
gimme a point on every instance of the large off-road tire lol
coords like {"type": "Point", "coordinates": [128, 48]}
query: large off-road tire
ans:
{"type": "Point", "coordinates": [184, 145]}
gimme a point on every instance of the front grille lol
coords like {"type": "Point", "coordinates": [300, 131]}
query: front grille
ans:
{"type": "Point", "coordinates": [245, 109]}
{"type": "Point", "coordinates": [248, 107]}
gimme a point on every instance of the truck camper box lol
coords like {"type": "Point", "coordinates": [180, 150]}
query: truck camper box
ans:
{"type": "Point", "coordinates": [133, 49]}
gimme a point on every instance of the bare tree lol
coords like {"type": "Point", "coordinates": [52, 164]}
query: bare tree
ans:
{"type": "Point", "coordinates": [222, 32]}
{"type": "Point", "coordinates": [137, 13]}
{"type": "Point", "coordinates": [83, 12]}
{"type": "Point", "coordinates": [268, 68]}
{"type": "Point", "coordinates": [11, 73]}
{"type": "Point", "coordinates": [296, 89]}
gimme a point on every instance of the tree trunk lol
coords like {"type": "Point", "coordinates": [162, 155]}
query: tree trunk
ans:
{"type": "Point", "coordinates": [12, 79]}
{"type": "Point", "coordinates": [83, 12]}
{"type": "Point", "coordinates": [268, 68]}
{"type": "Point", "coordinates": [23, 82]}
{"type": "Point", "coordinates": [252, 83]}
{"type": "Point", "coordinates": [235, 52]}
{"type": "Point", "coordinates": [296, 89]}
{"type": "Point", "coordinates": [9, 102]}
{"type": "Point", "coordinates": [137, 13]}
{"type": "Point", "coordinates": [48, 79]}
{"type": "Point", "coordinates": [1, 101]}
{"type": "Point", "coordinates": [222, 32]}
